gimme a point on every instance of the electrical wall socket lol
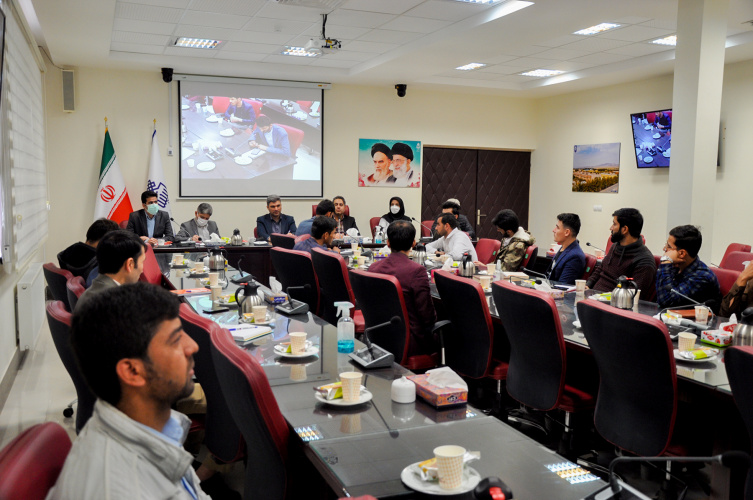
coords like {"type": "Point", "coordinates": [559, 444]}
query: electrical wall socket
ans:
{"type": "Point", "coordinates": [597, 208]}
{"type": "Point", "coordinates": [169, 151]}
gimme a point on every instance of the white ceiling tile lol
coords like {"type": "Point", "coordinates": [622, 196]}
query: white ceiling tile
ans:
{"type": "Point", "coordinates": [522, 50]}
{"type": "Point", "coordinates": [293, 13]}
{"type": "Point", "coordinates": [382, 6]}
{"type": "Point", "coordinates": [333, 63]}
{"type": "Point", "coordinates": [140, 38]}
{"type": "Point", "coordinates": [665, 24]}
{"type": "Point", "coordinates": [143, 27]}
{"type": "Point", "coordinates": [178, 4]}
{"type": "Point", "coordinates": [196, 18]}
{"type": "Point", "coordinates": [240, 56]}
{"type": "Point", "coordinates": [446, 11]}
{"type": "Point", "coordinates": [596, 44]}
{"type": "Point", "coordinates": [293, 60]}
{"type": "Point", "coordinates": [204, 32]}
{"type": "Point", "coordinates": [256, 37]}
{"type": "Point", "coordinates": [501, 69]}
{"type": "Point", "coordinates": [477, 75]}
{"type": "Point", "coordinates": [337, 30]}
{"type": "Point", "coordinates": [499, 59]}
{"type": "Point", "coordinates": [186, 52]}
{"type": "Point", "coordinates": [280, 26]}
{"type": "Point", "coordinates": [640, 49]}
{"type": "Point", "coordinates": [602, 58]}
{"type": "Point", "coordinates": [374, 47]}
{"type": "Point", "coordinates": [347, 55]}
{"type": "Point", "coordinates": [530, 62]}
{"type": "Point", "coordinates": [415, 24]}
{"type": "Point", "coordinates": [389, 36]}
{"type": "Point", "coordinates": [629, 20]}
{"type": "Point", "coordinates": [560, 40]}
{"type": "Point", "coordinates": [236, 7]}
{"type": "Point", "coordinates": [518, 78]}
{"type": "Point", "coordinates": [568, 66]}
{"type": "Point", "coordinates": [256, 48]}
{"type": "Point", "coordinates": [636, 33]}
{"type": "Point", "coordinates": [562, 54]}
{"type": "Point", "coordinates": [141, 12]}
{"type": "Point", "coordinates": [137, 48]}
{"type": "Point", "coordinates": [358, 18]}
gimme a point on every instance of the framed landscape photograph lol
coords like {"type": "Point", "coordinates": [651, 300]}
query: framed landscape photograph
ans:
{"type": "Point", "coordinates": [596, 168]}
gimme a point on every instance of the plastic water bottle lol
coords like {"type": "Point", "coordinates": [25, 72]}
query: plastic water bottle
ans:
{"type": "Point", "coordinates": [378, 235]}
{"type": "Point", "coordinates": [346, 328]}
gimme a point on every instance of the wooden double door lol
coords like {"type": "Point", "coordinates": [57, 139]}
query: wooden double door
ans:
{"type": "Point", "coordinates": [484, 181]}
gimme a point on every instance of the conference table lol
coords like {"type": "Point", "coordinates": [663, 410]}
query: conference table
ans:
{"type": "Point", "coordinates": [363, 449]}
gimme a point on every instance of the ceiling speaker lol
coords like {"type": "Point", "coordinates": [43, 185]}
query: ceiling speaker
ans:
{"type": "Point", "coordinates": [69, 102]}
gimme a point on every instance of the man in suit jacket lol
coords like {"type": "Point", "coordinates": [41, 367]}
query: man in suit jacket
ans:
{"type": "Point", "coordinates": [200, 228]}
{"type": "Point", "coordinates": [121, 258]}
{"type": "Point", "coordinates": [150, 222]}
{"type": "Point", "coordinates": [275, 221]}
{"type": "Point", "coordinates": [415, 284]}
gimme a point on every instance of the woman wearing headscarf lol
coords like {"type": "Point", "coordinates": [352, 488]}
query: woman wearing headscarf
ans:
{"type": "Point", "coordinates": [397, 212]}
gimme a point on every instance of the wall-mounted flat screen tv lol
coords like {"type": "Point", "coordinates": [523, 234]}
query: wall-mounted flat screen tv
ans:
{"type": "Point", "coordinates": [652, 137]}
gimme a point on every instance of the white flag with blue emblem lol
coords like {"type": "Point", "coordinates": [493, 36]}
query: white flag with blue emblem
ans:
{"type": "Point", "coordinates": [156, 180]}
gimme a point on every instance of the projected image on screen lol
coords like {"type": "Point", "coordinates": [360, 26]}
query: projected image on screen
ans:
{"type": "Point", "coordinates": [250, 140]}
{"type": "Point", "coordinates": [652, 134]}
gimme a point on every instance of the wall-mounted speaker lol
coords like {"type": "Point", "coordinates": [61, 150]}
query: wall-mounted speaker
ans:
{"type": "Point", "coordinates": [69, 103]}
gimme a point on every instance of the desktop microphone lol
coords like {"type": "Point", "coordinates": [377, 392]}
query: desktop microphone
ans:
{"type": "Point", "coordinates": [594, 246]}
{"type": "Point", "coordinates": [293, 306]}
{"type": "Point", "coordinates": [704, 304]}
{"type": "Point", "coordinates": [373, 356]}
{"type": "Point", "coordinates": [424, 226]}
{"type": "Point", "coordinates": [492, 488]}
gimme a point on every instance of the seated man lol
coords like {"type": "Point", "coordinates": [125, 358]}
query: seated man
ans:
{"type": "Point", "coordinates": [239, 113]}
{"type": "Point", "coordinates": [81, 258]}
{"type": "Point", "coordinates": [200, 228]}
{"type": "Point", "coordinates": [345, 221]}
{"type": "Point", "coordinates": [628, 256]}
{"type": "Point", "coordinates": [740, 296]}
{"type": "Point", "coordinates": [121, 258]}
{"type": "Point", "coordinates": [570, 262]}
{"type": "Point", "coordinates": [150, 223]}
{"type": "Point", "coordinates": [269, 137]}
{"type": "Point", "coordinates": [325, 208]}
{"type": "Point", "coordinates": [682, 270]}
{"type": "Point", "coordinates": [515, 240]}
{"type": "Point", "coordinates": [415, 284]}
{"type": "Point", "coordinates": [275, 221]}
{"type": "Point", "coordinates": [452, 206]}
{"type": "Point", "coordinates": [138, 362]}
{"type": "Point", "coordinates": [453, 241]}
{"type": "Point", "coordinates": [322, 233]}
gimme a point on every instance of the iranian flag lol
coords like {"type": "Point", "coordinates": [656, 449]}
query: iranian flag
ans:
{"type": "Point", "coordinates": [112, 196]}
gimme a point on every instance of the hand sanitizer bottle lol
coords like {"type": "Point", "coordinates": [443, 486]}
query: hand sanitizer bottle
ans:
{"type": "Point", "coordinates": [346, 328]}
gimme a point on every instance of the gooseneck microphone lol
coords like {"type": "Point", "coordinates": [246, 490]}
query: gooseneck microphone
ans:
{"type": "Point", "coordinates": [588, 244]}
{"type": "Point", "coordinates": [423, 225]}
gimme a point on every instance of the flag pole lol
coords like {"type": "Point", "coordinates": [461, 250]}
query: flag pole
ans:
{"type": "Point", "coordinates": [105, 124]}
{"type": "Point", "coordinates": [155, 124]}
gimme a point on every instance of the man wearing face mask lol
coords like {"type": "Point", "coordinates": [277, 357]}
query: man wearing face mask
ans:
{"type": "Point", "coordinates": [150, 222]}
{"type": "Point", "coordinates": [200, 228]}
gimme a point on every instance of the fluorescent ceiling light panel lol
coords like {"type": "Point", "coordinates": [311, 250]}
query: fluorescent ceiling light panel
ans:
{"type": "Point", "coordinates": [667, 40]}
{"type": "Point", "coordinates": [542, 73]}
{"type": "Point", "coordinates": [481, 2]}
{"type": "Point", "coordinates": [298, 52]}
{"type": "Point", "coordinates": [595, 30]}
{"type": "Point", "coordinates": [197, 43]}
{"type": "Point", "coordinates": [471, 66]}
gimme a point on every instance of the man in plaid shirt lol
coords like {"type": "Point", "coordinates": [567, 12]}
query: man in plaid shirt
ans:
{"type": "Point", "coordinates": [682, 270]}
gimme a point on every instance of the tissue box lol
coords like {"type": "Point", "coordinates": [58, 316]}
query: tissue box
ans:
{"type": "Point", "coordinates": [438, 396]}
{"type": "Point", "coordinates": [716, 337]}
{"type": "Point", "coordinates": [275, 298]}
{"type": "Point", "coordinates": [557, 294]}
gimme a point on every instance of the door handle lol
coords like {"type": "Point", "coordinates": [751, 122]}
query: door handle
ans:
{"type": "Point", "coordinates": [478, 217]}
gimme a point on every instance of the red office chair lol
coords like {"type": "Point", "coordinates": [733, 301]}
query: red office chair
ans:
{"type": "Point", "coordinates": [529, 260]}
{"type": "Point", "coordinates": [253, 407]}
{"type": "Point", "coordinates": [313, 210]}
{"type": "Point", "coordinates": [486, 249]}
{"type": "Point", "coordinates": [75, 287]}
{"type": "Point", "coordinates": [726, 278]}
{"type": "Point", "coordinates": [295, 137]}
{"type": "Point", "coordinates": [591, 262]}
{"type": "Point", "coordinates": [469, 348]}
{"type": "Point", "coordinates": [300, 238]}
{"type": "Point", "coordinates": [123, 224]}
{"type": "Point", "coordinates": [56, 279]}
{"type": "Point", "coordinates": [152, 272]}
{"type": "Point", "coordinates": [221, 436]}
{"type": "Point", "coordinates": [733, 247]}
{"type": "Point", "coordinates": [426, 228]}
{"type": "Point", "coordinates": [31, 463]}
{"type": "Point", "coordinates": [373, 223]}
{"type": "Point", "coordinates": [295, 268]}
{"type": "Point", "coordinates": [332, 274]}
{"type": "Point", "coordinates": [538, 360]}
{"type": "Point", "coordinates": [220, 103]}
{"type": "Point", "coordinates": [256, 232]}
{"type": "Point", "coordinates": [381, 298]}
{"type": "Point", "coordinates": [59, 321]}
{"type": "Point", "coordinates": [257, 105]}
{"type": "Point", "coordinates": [738, 362]}
{"type": "Point", "coordinates": [734, 260]}
{"type": "Point", "coordinates": [282, 240]}
{"type": "Point", "coordinates": [305, 105]}
{"type": "Point", "coordinates": [609, 243]}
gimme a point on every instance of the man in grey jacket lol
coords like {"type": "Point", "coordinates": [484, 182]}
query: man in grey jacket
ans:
{"type": "Point", "coordinates": [133, 352]}
{"type": "Point", "coordinates": [199, 228]}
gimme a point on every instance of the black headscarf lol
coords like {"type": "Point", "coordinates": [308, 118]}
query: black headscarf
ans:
{"type": "Point", "coordinates": [390, 217]}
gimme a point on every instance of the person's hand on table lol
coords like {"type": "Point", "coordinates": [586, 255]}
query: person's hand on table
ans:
{"type": "Point", "coordinates": [144, 238]}
{"type": "Point", "coordinates": [195, 237]}
{"type": "Point", "coordinates": [745, 276]}
{"type": "Point", "coordinates": [479, 264]}
{"type": "Point", "coordinates": [152, 241]}
{"type": "Point", "coordinates": [253, 144]}
{"type": "Point", "coordinates": [234, 119]}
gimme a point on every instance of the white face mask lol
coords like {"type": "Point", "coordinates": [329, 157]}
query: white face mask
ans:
{"type": "Point", "coordinates": [201, 222]}
{"type": "Point", "coordinates": [395, 209]}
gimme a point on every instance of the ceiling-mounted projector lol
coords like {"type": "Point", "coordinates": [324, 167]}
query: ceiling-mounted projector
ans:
{"type": "Point", "coordinates": [323, 45]}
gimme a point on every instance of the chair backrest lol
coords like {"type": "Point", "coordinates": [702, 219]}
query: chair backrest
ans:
{"type": "Point", "coordinates": [738, 362]}
{"type": "Point", "coordinates": [536, 375]}
{"type": "Point", "coordinates": [469, 348]}
{"type": "Point", "coordinates": [313, 210]}
{"type": "Point", "coordinates": [282, 240]}
{"type": "Point", "coordinates": [74, 288]}
{"type": "Point", "coordinates": [295, 137]}
{"type": "Point", "coordinates": [734, 260]}
{"type": "Point", "coordinates": [332, 273]}
{"type": "Point", "coordinates": [222, 437]}
{"type": "Point", "coordinates": [373, 223]}
{"type": "Point", "coordinates": [59, 321]}
{"type": "Point", "coordinates": [380, 297]}
{"type": "Point", "coordinates": [220, 103]}
{"type": "Point", "coordinates": [256, 232]}
{"type": "Point", "coordinates": [123, 224]}
{"type": "Point", "coordinates": [254, 408]}
{"type": "Point", "coordinates": [529, 260]}
{"type": "Point", "coordinates": [426, 228]}
{"type": "Point", "coordinates": [296, 268]}
{"type": "Point", "coordinates": [734, 247]}
{"type": "Point", "coordinates": [151, 273]}
{"type": "Point", "coordinates": [486, 249]}
{"type": "Point", "coordinates": [609, 243]}
{"type": "Point", "coordinates": [257, 105]}
{"type": "Point", "coordinates": [56, 279]}
{"type": "Point", "coordinates": [31, 463]}
{"type": "Point", "coordinates": [591, 262]}
{"type": "Point", "coordinates": [637, 401]}
{"type": "Point", "coordinates": [726, 278]}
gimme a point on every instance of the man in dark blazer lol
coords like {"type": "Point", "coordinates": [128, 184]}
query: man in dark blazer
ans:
{"type": "Point", "coordinates": [150, 223]}
{"type": "Point", "coordinates": [275, 221]}
{"type": "Point", "coordinates": [199, 228]}
{"type": "Point", "coordinates": [415, 284]}
{"type": "Point", "coordinates": [346, 221]}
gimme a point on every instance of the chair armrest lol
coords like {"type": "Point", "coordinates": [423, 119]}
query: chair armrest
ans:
{"type": "Point", "coordinates": [438, 328]}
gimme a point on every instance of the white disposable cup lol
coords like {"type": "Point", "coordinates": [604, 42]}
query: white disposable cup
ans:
{"type": "Point", "coordinates": [686, 341]}
{"type": "Point", "coordinates": [195, 146]}
{"type": "Point", "coordinates": [161, 242]}
{"type": "Point", "coordinates": [260, 313]}
{"type": "Point", "coordinates": [580, 286]}
{"type": "Point", "coordinates": [216, 291]}
{"type": "Point", "coordinates": [178, 259]}
{"type": "Point", "coordinates": [354, 246]}
{"type": "Point", "coordinates": [357, 253]}
{"type": "Point", "coordinates": [491, 268]}
{"type": "Point", "coordinates": [190, 162]}
{"type": "Point", "coordinates": [485, 281]}
{"type": "Point", "coordinates": [351, 382]}
{"type": "Point", "coordinates": [361, 261]}
{"type": "Point", "coordinates": [198, 107]}
{"type": "Point", "coordinates": [297, 342]}
{"type": "Point", "coordinates": [449, 466]}
{"type": "Point", "coordinates": [214, 279]}
{"type": "Point", "coordinates": [298, 373]}
{"type": "Point", "coordinates": [598, 254]}
{"type": "Point", "coordinates": [350, 424]}
{"type": "Point", "coordinates": [701, 315]}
